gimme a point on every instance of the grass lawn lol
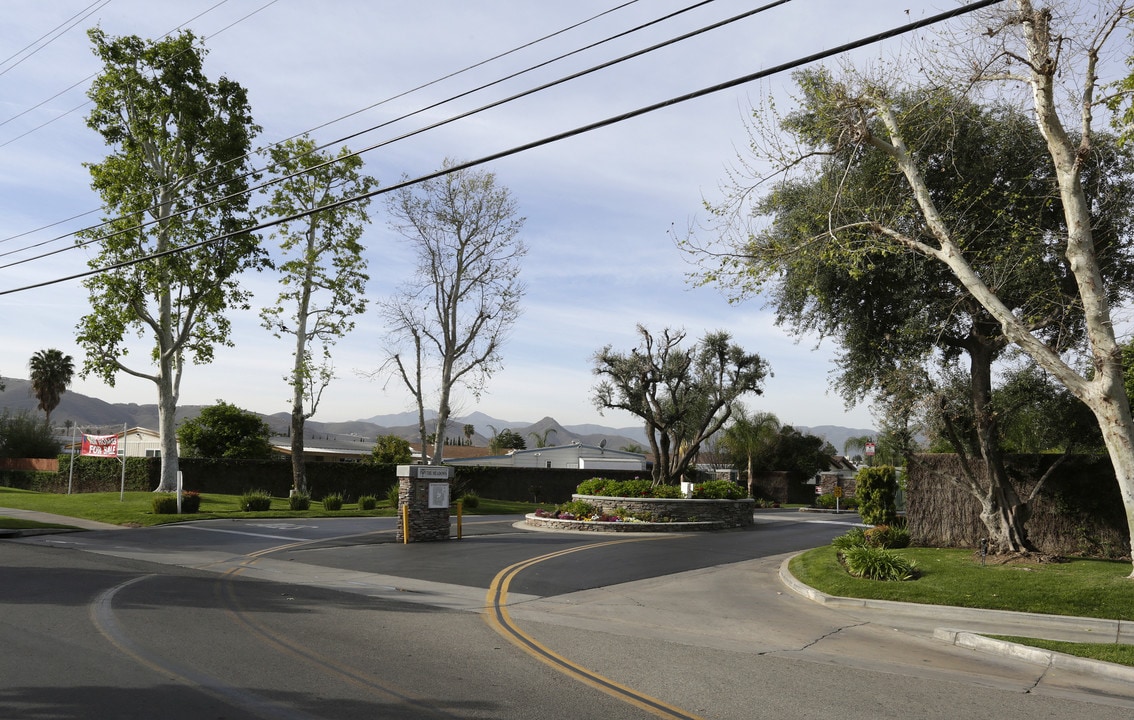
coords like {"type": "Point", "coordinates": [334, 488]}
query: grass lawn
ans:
{"type": "Point", "coordinates": [1083, 588]}
{"type": "Point", "coordinates": [136, 508]}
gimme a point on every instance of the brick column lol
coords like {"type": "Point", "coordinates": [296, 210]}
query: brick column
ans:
{"type": "Point", "coordinates": [426, 490]}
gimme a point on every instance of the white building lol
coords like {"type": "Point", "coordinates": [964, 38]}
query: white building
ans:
{"type": "Point", "coordinates": [573, 456]}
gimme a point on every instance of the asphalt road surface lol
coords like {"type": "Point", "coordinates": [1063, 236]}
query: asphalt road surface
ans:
{"type": "Point", "coordinates": [334, 619]}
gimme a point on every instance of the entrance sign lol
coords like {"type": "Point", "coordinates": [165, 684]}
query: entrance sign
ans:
{"type": "Point", "coordinates": [100, 445]}
{"type": "Point", "coordinates": [433, 473]}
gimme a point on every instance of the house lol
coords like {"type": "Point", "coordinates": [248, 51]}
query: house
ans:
{"type": "Point", "coordinates": [133, 442]}
{"type": "Point", "coordinates": [574, 456]}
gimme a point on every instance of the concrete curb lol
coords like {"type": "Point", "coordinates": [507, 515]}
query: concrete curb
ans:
{"type": "Point", "coordinates": [1096, 628]}
{"type": "Point", "coordinates": [1034, 655]}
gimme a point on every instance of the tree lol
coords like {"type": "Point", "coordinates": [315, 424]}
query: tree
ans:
{"type": "Point", "coordinates": [392, 450]}
{"type": "Point", "coordinates": [1041, 279]}
{"type": "Point", "coordinates": [684, 395]}
{"type": "Point", "coordinates": [506, 439]}
{"type": "Point", "coordinates": [175, 192]}
{"type": "Point", "coordinates": [542, 439]}
{"type": "Point", "coordinates": [749, 437]}
{"type": "Point", "coordinates": [465, 293]}
{"type": "Point", "coordinates": [51, 373]}
{"type": "Point", "coordinates": [323, 271]}
{"type": "Point", "coordinates": [226, 431]}
{"type": "Point", "coordinates": [468, 430]}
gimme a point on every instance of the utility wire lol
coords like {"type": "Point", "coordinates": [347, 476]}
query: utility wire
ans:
{"type": "Point", "coordinates": [846, 47]}
{"type": "Point", "coordinates": [59, 34]}
{"type": "Point", "coordinates": [447, 121]}
{"type": "Point", "coordinates": [324, 145]}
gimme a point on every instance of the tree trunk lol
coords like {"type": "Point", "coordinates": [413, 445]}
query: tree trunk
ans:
{"type": "Point", "coordinates": [167, 430]}
{"type": "Point", "coordinates": [1002, 511]}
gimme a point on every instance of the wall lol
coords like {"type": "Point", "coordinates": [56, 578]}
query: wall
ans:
{"type": "Point", "coordinates": [1079, 511]}
{"type": "Point", "coordinates": [730, 513]}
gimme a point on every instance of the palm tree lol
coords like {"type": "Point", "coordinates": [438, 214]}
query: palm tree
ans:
{"type": "Point", "coordinates": [51, 373]}
{"type": "Point", "coordinates": [469, 431]}
{"type": "Point", "coordinates": [751, 435]}
{"type": "Point", "coordinates": [541, 439]}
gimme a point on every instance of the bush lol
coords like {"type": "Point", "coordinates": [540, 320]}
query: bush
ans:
{"type": "Point", "coordinates": [25, 436]}
{"type": "Point", "coordinates": [827, 502]}
{"type": "Point", "coordinates": [367, 502]}
{"type": "Point", "coordinates": [887, 536]}
{"type": "Point", "coordinates": [190, 502]}
{"type": "Point", "coordinates": [333, 501]}
{"type": "Point", "coordinates": [877, 564]}
{"type": "Point", "coordinates": [392, 495]}
{"type": "Point", "coordinates": [165, 504]}
{"type": "Point", "coordinates": [877, 492]}
{"type": "Point", "coordinates": [299, 501]}
{"type": "Point", "coordinates": [636, 488]}
{"type": "Point", "coordinates": [255, 501]}
{"type": "Point", "coordinates": [470, 500]}
{"type": "Point", "coordinates": [855, 537]}
{"type": "Point", "coordinates": [718, 490]}
{"type": "Point", "coordinates": [574, 509]}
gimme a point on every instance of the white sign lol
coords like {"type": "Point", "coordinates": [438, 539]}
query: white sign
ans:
{"type": "Point", "coordinates": [438, 495]}
{"type": "Point", "coordinates": [100, 445]}
{"type": "Point", "coordinates": [869, 448]}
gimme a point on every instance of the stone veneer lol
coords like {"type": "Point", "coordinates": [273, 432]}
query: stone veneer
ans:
{"type": "Point", "coordinates": [684, 514]}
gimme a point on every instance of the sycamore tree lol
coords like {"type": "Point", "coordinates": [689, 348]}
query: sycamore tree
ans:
{"type": "Point", "coordinates": [464, 297]}
{"type": "Point", "coordinates": [175, 202]}
{"type": "Point", "coordinates": [685, 394]}
{"type": "Point", "coordinates": [862, 117]}
{"type": "Point", "coordinates": [323, 271]}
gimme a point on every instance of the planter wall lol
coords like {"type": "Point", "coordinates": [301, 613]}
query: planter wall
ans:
{"type": "Point", "coordinates": [727, 513]}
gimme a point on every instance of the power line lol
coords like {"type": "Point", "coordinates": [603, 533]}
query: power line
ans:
{"type": "Point", "coordinates": [59, 34]}
{"type": "Point", "coordinates": [744, 79]}
{"type": "Point", "coordinates": [330, 122]}
{"type": "Point", "coordinates": [416, 112]}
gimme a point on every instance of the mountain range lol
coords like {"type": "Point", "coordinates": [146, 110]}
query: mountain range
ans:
{"type": "Point", "coordinates": [93, 414]}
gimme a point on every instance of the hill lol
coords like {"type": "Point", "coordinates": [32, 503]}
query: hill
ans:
{"type": "Point", "coordinates": [88, 413]}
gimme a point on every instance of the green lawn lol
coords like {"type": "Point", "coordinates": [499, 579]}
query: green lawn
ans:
{"type": "Point", "coordinates": [136, 509]}
{"type": "Point", "coordinates": [1084, 588]}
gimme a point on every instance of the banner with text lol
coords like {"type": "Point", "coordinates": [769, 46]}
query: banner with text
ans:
{"type": "Point", "coordinates": [100, 445]}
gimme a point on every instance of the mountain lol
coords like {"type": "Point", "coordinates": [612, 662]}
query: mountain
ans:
{"type": "Point", "coordinates": [89, 413]}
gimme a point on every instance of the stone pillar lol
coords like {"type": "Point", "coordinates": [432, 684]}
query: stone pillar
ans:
{"type": "Point", "coordinates": [425, 489]}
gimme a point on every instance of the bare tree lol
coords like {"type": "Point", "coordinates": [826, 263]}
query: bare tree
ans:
{"type": "Point", "coordinates": [465, 293]}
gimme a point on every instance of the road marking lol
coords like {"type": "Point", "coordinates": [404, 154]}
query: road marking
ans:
{"type": "Point", "coordinates": [102, 616]}
{"type": "Point", "coordinates": [238, 532]}
{"type": "Point", "coordinates": [500, 621]}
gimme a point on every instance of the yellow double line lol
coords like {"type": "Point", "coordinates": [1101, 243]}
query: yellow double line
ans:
{"type": "Point", "coordinates": [500, 621]}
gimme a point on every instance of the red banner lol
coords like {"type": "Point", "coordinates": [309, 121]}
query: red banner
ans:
{"type": "Point", "coordinates": [100, 445]}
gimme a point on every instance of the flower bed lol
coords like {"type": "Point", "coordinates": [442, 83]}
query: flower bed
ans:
{"type": "Point", "coordinates": [635, 514]}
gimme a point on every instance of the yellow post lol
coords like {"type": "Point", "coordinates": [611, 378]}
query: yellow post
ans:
{"type": "Point", "coordinates": [405, 524]}
{"type": "Point", "coordinates": [460, 506]}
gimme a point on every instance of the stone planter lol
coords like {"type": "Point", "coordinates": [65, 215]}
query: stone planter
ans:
{"type": "Point", "coordinates": [682, 515]}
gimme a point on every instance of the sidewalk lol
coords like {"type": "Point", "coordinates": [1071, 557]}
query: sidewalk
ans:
{"type": "Point", "coordinates": [69, 522]}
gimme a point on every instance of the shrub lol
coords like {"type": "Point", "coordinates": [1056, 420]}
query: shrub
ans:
{"type": "Point", "coordinates": [392, 495]}
{"type": "Point", "coordinates": [255, 501]}
{"type": "Point", "coordinates": [367, 502]}
{"type": "Point", "coordinates": [887, 536]}
{"type": "Point", "coordinates": [877, 492]}
{"type": "Point", "coordinates": [718, 490]}
{"type": "Point", "coordinates": [190, 501]}
{"type": "Point", "coordinates": [877, 564]}
{"type": "Point", "coordinates": [636, 488]}
{"type": "Point", "coordinates": [828, 502]}
{"type": "Point", "coordinates": [299, 501]}
{"type": "Point", "coordinates": [23, 435]}
{"type": "Point", "coordinates": [333, 501]}
{"type": "Point", "coordinates": [470, 499]}
{"type": "Point", "coordinates": [165, 504]}
{"type": "Point", "coordinates": [574, 509]}
{"type": "Point", "coordinates": [855, 537]}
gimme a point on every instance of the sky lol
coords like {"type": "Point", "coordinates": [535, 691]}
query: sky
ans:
{"type": "Point", "coordinates": [602, 209]}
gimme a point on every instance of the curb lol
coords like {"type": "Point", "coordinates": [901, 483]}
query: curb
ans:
{"type": "Point", "coordinates": [1034, 655]}
{"type": "Point", "coordinates": [982, 643]}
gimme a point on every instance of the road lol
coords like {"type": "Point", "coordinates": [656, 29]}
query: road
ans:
{"type": "Point", "coordinates": [334, 619]}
